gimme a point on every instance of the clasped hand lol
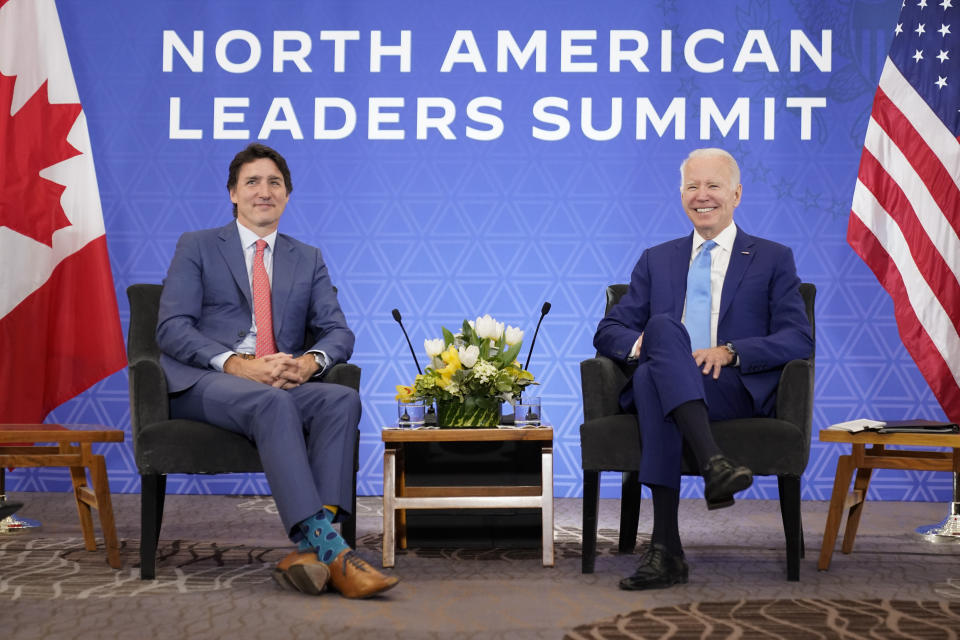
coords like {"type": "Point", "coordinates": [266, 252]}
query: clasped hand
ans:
{"type": "Point", "coordinates": [712, 360]}
{"type": "Point", "coordinates": [280, 370]}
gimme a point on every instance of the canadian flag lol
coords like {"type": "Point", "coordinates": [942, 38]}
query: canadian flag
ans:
{"type": "Point", "coordinates": [59, 325]}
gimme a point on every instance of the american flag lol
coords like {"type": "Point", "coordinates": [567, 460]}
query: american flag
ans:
{"type": "Point", "coordinates": [905, 216]}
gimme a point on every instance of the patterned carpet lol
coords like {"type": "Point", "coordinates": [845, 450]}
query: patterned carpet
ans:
{"type": "Point", "coordinates": [795, 618]}
{"type": "Point", "coordinates": [41, 568]}
{"type": "Point", "coordinates": [217, 552]}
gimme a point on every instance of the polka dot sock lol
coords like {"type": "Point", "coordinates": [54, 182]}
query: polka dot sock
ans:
{"type": "Point", "coordinates": [318, 533]}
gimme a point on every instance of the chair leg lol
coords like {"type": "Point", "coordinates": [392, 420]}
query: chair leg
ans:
{"type": "Point", "coordinates": [591, 505]}
{"type": "Point", "coordinates": [152, 492]}
{"type": "Point", "coordinates": [629, 511]}
{"type": "Point", "coordinates": [161, 500]}
{"type": "Point", "coordinates": [792, 523]}
{"type": "Point", "coordinates": [348, 528]}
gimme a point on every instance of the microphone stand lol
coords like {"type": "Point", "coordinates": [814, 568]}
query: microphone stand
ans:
{"type": "Point", "coordinates": [544, 310]}
{"type": "Point", "coordinates": [430, 418]}
{"type": "Point", "coordinates": [396, 316]}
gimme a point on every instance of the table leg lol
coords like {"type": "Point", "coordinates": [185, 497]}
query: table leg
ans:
{"type": "Point", "coordinates": [860, 485]}
{"type": "Point", "coordinates": [389, 493]}
{"type": "Point", "coordinates": [841, 484]}
{"type": "Point", "coordinates": [401, 491]}
{"type": "Point", "coordinates": [546, 484]}
{"type": "Point", "coordinates": [101, 490]}
{"type": "Point", "coordinates": [78, 476]}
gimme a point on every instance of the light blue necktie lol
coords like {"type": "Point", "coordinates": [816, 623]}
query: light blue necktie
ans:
{"type": "Point", "coordinates": [697, 318]}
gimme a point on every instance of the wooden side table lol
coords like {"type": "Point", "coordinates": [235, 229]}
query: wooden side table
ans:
{"type": "Point", "coordinates": [399, 496]}
{"type": "Point", "coordinates": [73, 450]}
{"type": "Point", "coordinates": [864, 461]}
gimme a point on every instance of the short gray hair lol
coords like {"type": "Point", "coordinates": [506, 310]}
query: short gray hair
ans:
{"type": "Point", "coordinates": [715, 152]}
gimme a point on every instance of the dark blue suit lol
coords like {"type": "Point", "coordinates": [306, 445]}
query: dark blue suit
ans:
{"type": "Point", "coordinates": [306, 435]}
{"type": "Point", "coordinates": [761, 313]}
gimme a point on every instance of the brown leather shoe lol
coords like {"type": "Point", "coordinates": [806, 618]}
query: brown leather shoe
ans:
{"type": "Point", "coordinates": [354, 578]}
{"type": "Point", "coordinates": [302, 571]}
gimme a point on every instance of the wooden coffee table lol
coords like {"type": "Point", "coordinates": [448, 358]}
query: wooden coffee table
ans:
{"type": "Point", "coordinates": [864, 461]}
{"type": "Point", "coordinates": [72, 449]}
{"type": "Point", "coordinates": [399, 496]}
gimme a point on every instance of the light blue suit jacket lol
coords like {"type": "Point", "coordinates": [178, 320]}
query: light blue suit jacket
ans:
{"type": "Point", "coordinates": [761, 310]}
{"type": "Point", "coordinates": [206, 304]}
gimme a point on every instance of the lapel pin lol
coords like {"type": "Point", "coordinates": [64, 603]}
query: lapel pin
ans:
{"type": "Point", "coordinates": [746, 253]}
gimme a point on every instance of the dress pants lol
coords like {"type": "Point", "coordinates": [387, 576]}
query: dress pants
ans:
{"type": "Point", "coordinates": [666, 377]}
{"type": "Point", "coordinates": [305, 436]}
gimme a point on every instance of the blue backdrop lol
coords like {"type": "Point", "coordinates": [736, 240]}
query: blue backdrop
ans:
{"type": "Point", "coordinates": [454, 159]}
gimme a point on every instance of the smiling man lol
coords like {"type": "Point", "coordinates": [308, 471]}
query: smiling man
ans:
{"type": "Point", "coordinates": [708, 320]}
{"type": "Point", "coordinates": [236, 304]}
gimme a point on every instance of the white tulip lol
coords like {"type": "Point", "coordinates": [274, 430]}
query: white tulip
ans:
{"type": "Point", "coordinates": [468, 355]}
{"type": "Point", "coordinates": [514, 335]}
{"type": "Point", "coordinates": [486, 327]}
{"type": "Point", "coordinates": [499, 332]}
{"type": "Point", "coordinates": [433, 347]}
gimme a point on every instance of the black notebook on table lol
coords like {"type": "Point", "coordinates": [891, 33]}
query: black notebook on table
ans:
{"type": "Point", "coordinates": [895, 426]}
{"type": "Point", "coordinates": [918, 426]}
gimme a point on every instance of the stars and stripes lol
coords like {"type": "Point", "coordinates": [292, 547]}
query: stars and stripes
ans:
{"type": "Point", "coordinates": [905, 216]}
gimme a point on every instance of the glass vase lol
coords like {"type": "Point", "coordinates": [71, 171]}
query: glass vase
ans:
{"type": "Point", "coordinates": [473, 411]}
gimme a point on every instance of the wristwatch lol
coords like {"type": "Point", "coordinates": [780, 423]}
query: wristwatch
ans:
{"type": "Point", "coordinates": [733, 353]}
{"type": "Point", "coordinates": [320, 360]}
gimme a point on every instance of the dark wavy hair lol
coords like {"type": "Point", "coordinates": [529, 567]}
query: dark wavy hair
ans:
{"type": "Point", "coordinates": [255, 151]}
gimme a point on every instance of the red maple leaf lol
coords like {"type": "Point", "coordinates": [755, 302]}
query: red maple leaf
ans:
{"type": "Point", "coordinates": [32, 140]}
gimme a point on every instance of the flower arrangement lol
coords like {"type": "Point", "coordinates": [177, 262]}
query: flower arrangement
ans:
{"type": "Point", "coordinates": [471, 373]}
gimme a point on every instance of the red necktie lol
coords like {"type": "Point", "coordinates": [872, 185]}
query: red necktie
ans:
{"type": "Point", "coordinates": [262, 312]}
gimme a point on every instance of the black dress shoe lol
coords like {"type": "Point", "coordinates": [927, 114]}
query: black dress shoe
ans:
{"type": "Point", "coordinates": [721, 479]}
{"type": "Point", "coordinates": [658, 569]}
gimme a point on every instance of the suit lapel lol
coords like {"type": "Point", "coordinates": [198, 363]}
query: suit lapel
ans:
{"type": "Point", "coordinates": [740, 260]}
{"type": "Point", "coordinates": [285, 258]}
{"type": "Point", "coordinates": [680, 265]}
{"type": "Point", "coordinates": [232, 252]}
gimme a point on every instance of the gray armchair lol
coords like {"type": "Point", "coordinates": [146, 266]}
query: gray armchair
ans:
{"type": "Point", "coordinates": [610, 441]}
{"type": "Point", "coordinates": [163, 446]}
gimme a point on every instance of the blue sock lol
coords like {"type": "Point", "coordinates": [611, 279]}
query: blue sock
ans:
{"type": "Point", "coordinates": [319, 534]}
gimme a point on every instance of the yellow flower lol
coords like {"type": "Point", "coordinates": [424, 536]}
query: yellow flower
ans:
{"type": "Point", "coordinates": [404, 393]}
{"type": "Point", "coordinates": [452, 358]}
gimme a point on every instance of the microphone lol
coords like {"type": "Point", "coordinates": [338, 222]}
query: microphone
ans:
{"type": "Point", "coordinates": [544, 310]}
{"type": "Point", "coordinates": [396, 316]}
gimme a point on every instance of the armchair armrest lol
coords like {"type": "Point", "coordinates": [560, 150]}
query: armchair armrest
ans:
{"type": "Point", "coordinates": [600, 381]}
{"type": "Point", "coordinates": [149, 403]}
{"type": "Point", "coordinates": [795, 395]}
{"type": "Point", "coordinates": [344, 373]}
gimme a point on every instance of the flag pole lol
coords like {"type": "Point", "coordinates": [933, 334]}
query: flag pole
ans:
{"type": "Point", "coordinates": [948, 529]}
{"type": "Point", "coordinates": [12, 524]}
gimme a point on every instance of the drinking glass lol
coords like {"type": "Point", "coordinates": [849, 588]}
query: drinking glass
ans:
{"type": "Point", "coordinates": [410, 415]}
{"type": "Point", "coordinates": [527, 412]}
